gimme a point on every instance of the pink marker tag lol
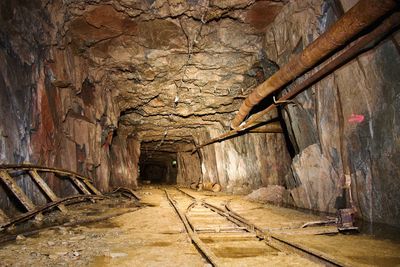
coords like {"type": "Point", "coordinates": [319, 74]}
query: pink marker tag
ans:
{"type": "Point", "coordinates": [356, 118]}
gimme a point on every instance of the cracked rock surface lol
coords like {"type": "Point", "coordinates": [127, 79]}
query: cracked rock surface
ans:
{"type": "Point", "coordinates": [86, 83]}
{"type": "Point", "coordinates": [175, 66]}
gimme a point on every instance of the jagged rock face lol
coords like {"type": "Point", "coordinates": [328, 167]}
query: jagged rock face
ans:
{"type": "Point", "coordinates": [244, 163]}
{"type": "Point", "coordinates": [175, 66]}
{"type": "Point", "coordinates": [189, 169]}
{"type": "Point", "coordinates": [85, 82]}
{"type": "Point", "coordinates": [89, 85]}
{"type": "Point", "coordinates": [343, 127]}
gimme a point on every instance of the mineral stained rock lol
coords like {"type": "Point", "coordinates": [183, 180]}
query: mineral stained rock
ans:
{"type": "Point", "coordinates": [90, 85]}
{"type": "Point", "coordinates": [342, 126]}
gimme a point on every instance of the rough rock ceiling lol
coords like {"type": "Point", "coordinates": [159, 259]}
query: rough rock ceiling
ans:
{"type": "Point", "coordinates": [176, 65]}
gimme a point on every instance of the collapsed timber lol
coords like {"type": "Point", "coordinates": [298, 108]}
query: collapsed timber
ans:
{"type": "Point", "coordinates": [42, 177]}
{"type": "Point", "coordinates": [238, 228]}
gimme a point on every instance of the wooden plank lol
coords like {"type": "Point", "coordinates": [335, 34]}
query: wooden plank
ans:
{"type": "Point", "coordinates": [217, 237]}
{"type": "Point", "coordinates": [16, 190]}
{"type": "Point", "coordinates": [46, 189]}
{"type": "Point", "coordinates": [92, 188]}
{"type": "Point", "coordinates": [321, 230]}
{"type": "Point", "coordinates": [3, 217]}
{"type": "Point", "coordinates": [80, 185]}
{"type": "Point", "coordinates": [218, 229]}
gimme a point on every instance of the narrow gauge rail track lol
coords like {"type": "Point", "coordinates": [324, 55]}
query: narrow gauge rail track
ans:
{"type": "Point", "coordinates": [223, 236]}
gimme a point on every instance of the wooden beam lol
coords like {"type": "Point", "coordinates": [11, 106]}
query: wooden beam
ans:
{"type": "Point", "coordinates": [80, 185]}
{"type": "Point", "coordinates": [38, 211]}
{"type": "Point", "coordinates": [322, 230]}
{"type": "Point", "coordinates": [16, 190]}
{"type": "Point", "coordinates": [92, 188]}
{"type": "Point", "coordinates": [46, 189]}
{"type": "Point", "coordinates": [3, 217]}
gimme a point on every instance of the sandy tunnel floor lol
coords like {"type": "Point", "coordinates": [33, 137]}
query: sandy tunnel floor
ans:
{"type": "Point", "coordinates": [154, 236]}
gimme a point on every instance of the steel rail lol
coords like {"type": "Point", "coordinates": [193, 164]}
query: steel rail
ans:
{"type": "Point", "coordinates": [279, 242]}
{"type": "Point", "coordinates": [205, 251]}
{"type": "Point", "coordinates": [358, 18]}
{"type": "Point", "coordinates": [272, 240]}
{"type": "Point", "coordinates": [349, 52]}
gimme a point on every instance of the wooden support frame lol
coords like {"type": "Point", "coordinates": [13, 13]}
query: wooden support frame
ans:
{"type": "Point", "coordinates": [91, 187]}
{"type": "Point", "coordinates": [48, 206]}
{"type": "Point", "coordinates": [16, 190]}
{"type": "Point", "coordinates": [80, 185]}
{"type": "Point", "coordinates": [7, 172]}
{"type": "Point", "coordinates": [3, 217]}
{"type": "Point", "coordinates": [46, 189]}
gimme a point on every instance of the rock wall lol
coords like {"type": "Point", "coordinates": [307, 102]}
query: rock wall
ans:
{"type": "Point", "coordinates": [55, 109]}
{"type": "Point", "coordinates": [345, 125]}
{"type": "Point", "coordinates": [246, 162]}
{"type": "Point", "coordinates": [83, 82]}
{"type": "Point", "coordinates": [189, 170]}
{"type": "Point", "coordinates": [125, 153]}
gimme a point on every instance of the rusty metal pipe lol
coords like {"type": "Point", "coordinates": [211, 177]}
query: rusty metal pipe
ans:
{"type": "Point", "coordinates": [267, 128]}
{"type": "Point", "coordinates": [362, 15]}
{"type": "Point", "coordinates": [273, 127]}
{"type": "Point", "coordinates": [344, 56]}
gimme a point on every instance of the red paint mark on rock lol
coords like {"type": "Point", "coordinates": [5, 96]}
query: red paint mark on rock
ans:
{"type": "Point", "coordinates": [356, 118]}
{"type": "Point", "coordinates": [262, 13]}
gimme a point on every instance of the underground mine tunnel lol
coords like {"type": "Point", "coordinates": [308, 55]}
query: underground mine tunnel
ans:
{"type": "Point", "coordinates": [199, 133]}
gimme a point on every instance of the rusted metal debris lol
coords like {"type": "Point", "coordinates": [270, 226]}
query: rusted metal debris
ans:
{"type": "Point", "coordinates": [362, 15]}
{"type": "Point", "coordinates": [346, 220]}
{"type": "Point", "coordinates": [6, 176]}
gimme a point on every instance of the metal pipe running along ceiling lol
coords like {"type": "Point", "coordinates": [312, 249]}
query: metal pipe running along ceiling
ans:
{"type": "Point", "coordinates": [362, 15]}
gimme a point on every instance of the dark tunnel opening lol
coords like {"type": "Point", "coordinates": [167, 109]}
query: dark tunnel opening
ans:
{"type": "Point", "coordinates": [157, 167]}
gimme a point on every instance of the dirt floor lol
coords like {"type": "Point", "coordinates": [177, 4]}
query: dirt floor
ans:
{"type": "Point", "coordinates": [153, 235]}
